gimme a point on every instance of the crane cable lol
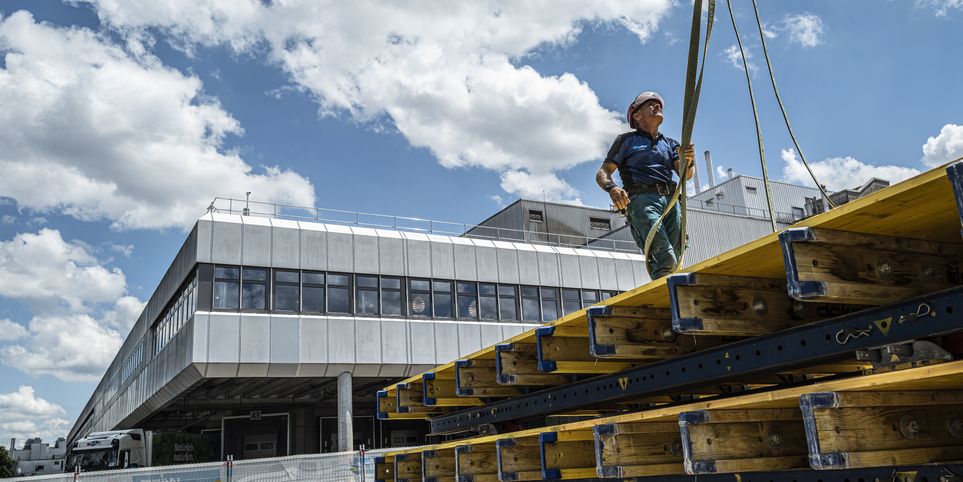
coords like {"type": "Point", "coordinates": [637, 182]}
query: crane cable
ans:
{"type": "Point", "coordinates": [785, 117]}
{"type": "Point", "coordinates": [693, 86]}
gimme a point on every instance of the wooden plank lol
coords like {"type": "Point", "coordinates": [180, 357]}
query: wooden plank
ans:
{"type": "Point", "coordinates": [477, 378]}
{"type": "Point", "coordinates": [752, 440]}
{"type": "Point", "coordinates": [476, 462]}
{"type": "Point", "coordinates": [558, 353]}
{"type": "Point", "coordinates": [408, 467]}
{"type": "Point", "coordinates": [638, 449]}
{"type": "Point", "coordinates": [849, 430]}
{"type": "Point", "coordinates": [517, 364]}
{"type": "Point", "coordinates": [869, 269]}
{"type": "Point", "coordinates": [438, 465]}
{"type": "Point", "coordinates": [567, 455]}
{"type": "Point", "coordinates": [409, 398]}
{"type": "Point", "coordinates": [440, 391]}
{"type": "Point", "coordinates": [384, 469]}
{"type": "Point", "coordinates": [385, 404]}
{"type": "Point", "coordinates": [518, 459]}
{"type": "Point", "coordinates": [706, 304]}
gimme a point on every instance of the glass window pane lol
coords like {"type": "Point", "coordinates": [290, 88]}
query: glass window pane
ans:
{"type": "Point", "coordinates": [607, 294]}
{"type": "Point", "coordinates": [442, 305]}
{"type": "Point", "coordinates": [339, 299]}
{"type": "Point", "coordinates": [286, 297]}
{"type": "Point", "coordinates": [530, 291]}
{"type": "Point", "coordinates": [420, 285]}
{"type": "Point", "coordinates": [444, 286]}
{"type": "Point", "coordinates": [467, 288]}
{"type": "Point", "coordinates": [590, 297]}
{"type": "Point", "coordinates": [549, 293]}
{"type": "Point", "coordinates": [287, 276]}
{"type": "Point", "coordinates": [313, 299]}
{"type": "Point", "coordinates": [506, 290]}
{"type": "Point", "coordinates": [225, 295]}
{"type": "Point", "coordinates": [467, 306]}
{"type": "Point", "coordinates": [391, 283]}
{"type": "Point", "coordinates": [530, 309]}
{"type": "Point", "coordinates": [570, 294]}
{"type": "Point", "coordinates": [489, 308]}
{"type": "Point", "coordinates": [252, 296]}
{"type": "Point", "coordinates": [254, 274]}
{"type": "Point", "coordinates": [367, 281]}
{"type": "Point", "coordinates": [570, 306]}
{"type": "Point", "coordinates": [419, 304]}
{"type": "Point", "coordinates": [367, 302]}
{"type": "Point", "coordinates": [338, 279]}
{"type": "Point", "coordinates": [549, 310]}
{"type": "Point", "coordinates": [486, 289]}
{"type": "Point", "coordinates": [391, 302]}
{"type": "Point", "coordinates": [314, 278]}
{"type": "Point", "coordinates": [226, 272]}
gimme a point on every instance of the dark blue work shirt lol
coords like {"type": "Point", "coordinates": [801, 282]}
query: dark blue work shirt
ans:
{"type": "Point", "coordinates": [642, 160]}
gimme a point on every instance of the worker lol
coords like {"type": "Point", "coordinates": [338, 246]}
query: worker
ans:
{"type": "Point", "coordinates": [645, 160]}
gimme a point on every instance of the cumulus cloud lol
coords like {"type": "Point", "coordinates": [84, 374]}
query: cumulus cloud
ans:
{"type": "Point", "coordinates": [452, 80]}
{"type": "Point", "coordinates": [11, 330]}
{"type": "Point", "coordinates": [100, 132]}
{"type": "Point", "coordinates": [941, 7]}
{"type": "Point", "coordinates": [25, 415]}
{"type": "Point", "coordinates": [734, 57]}
{"type": "Point", "coordinates": [838, 173]}
{"type": "Point", "coordinates": [538, 186]}
{"type": "Point", "coordinates": [944, 147]}
{"type": "Point", "coordinates": [805, 29]}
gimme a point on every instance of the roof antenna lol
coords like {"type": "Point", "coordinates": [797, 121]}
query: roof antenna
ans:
{"type": "Point", "coordinates": [247, 204]}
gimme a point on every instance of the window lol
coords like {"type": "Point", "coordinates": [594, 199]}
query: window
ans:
{"type": "Point", "coordinates": [719, 195]}
{"type": "Point", "coordinates": [601, 224]}
{"type": "Point", "coordinates": [798, 213]}
{"type": "Point", "coordinates": [420, 296]}
{"type": "Point", "coordinates": [751, 189]}
{"type": "Point", "coordinates": [571, 301]}
{"type": "Point", "coordinates": [366, 295]}
{"type": "Point", "coordinates": [530, 308]}
{"type": "Point", "coordinates": [488, 301]}
{"type": "Point", "coordinates": [589, 297]}
{"type": "Point", "coordinates": [441, 299]}
{"type": "Point", "coordinates": [254, 288]}
{"type": "Point", "coordinates": [227, 283]}
{"type": "Point", "coordinates": [287, 290]}
{"type": "Point", "coordinates": [608, 294]}
{"type": "Point", "coordinates": [467, 300]}
{"type": "Point", "coordinates": [535, 215]}
{"type": "Point", "coordinates": [339, 293]}
{"type": "Point", "coordinates": [312, 292]}
{"type": "Point", "coordinates": [507, 302]}
{"type": "Point", "coordinates": [549, 304]}
{"type": "Point", "coordinates": [391, 296]}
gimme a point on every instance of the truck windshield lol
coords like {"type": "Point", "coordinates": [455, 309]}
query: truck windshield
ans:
{"type": "Point", "coordinates": [91, 460]}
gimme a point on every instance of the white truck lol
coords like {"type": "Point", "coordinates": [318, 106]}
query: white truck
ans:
{"type": "Point", "coordinates": [118, 449]}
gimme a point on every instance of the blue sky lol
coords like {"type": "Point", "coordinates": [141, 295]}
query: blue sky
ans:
{"type": "Point", "coordinates": [123, 120]}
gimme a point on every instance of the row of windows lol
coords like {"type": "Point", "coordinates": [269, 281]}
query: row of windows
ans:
{"type": "Point", "coordinates": [295, 291]}
{"type": "Point", "coordinates": [132, 363]}
{"type": "Point", "coordinates": [176, 316]}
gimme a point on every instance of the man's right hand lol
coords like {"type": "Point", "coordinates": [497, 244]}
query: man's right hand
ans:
{"type": "Point", "coordinates": [620, 198]}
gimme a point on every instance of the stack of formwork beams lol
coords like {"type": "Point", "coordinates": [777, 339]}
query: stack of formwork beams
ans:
{"type": "Point", "coordinates": [820, 347]}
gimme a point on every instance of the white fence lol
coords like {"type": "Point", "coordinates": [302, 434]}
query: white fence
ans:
{"type": "Point", "coordinates": [335, 467]}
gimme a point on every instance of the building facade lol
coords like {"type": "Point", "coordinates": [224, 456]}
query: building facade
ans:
{"type": "Point", "coordinates": [39, 458]}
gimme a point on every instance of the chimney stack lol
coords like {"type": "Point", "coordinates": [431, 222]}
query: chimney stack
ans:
{"type": "Point", "coordinates": [695, 176]}
{"type": "Point", "coordinates": [710, 171]}
{"type": "Point", "coordinates": [13, 443]}
{"type": "Point", "coordinates": [729, 173]}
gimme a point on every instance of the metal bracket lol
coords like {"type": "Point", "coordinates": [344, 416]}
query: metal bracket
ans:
{"type": "Point", "coordinates": [913, 351]}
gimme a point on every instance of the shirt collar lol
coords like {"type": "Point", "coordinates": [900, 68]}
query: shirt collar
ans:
{"type": "Point", "coordinates": [646, 134]}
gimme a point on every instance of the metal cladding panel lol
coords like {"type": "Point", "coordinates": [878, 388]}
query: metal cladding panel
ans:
{"type": "Point", "coordinates": [256, 241]}
{"type": "Point", "coordinates": [314, 247]}
{"type": "Point", "coordinates": [528, 267]}
{"type": "Point", "coordinates": [255, 338]}
{"type": "Point", "coordinates": [641, 272]}
{"type": "Point", "coordinates": [711, 233]}
{"type": "Point", "coordinates": [465, 268]}
{"type": "Point", "coordinates": [422, 343]}
{"type": "Point", "coordinates": [394, 341]}
{"type": "Point", "coordinates": [510, 330]}
{"type": "Point", "coordinates": [446, 341]}
{"type": "Point", "coordinates": [199, 330]}
{"type": "Point", "coordinates": [285, 331]}
{"type": "Point", "coordinates": [366, 258]}
{"type": "Point", "coordinates": [285, 244]}
{"type": "Point", "coordinates": [491, 334]}
{"type": "Point", "coordinates": [391, 257]}
{"type": "Point", "coordinates": [548, 269]}
{"type": "Point", "coordinates": [507, 265]}
{"type": "Point", "coordinates": [442, 259]}
{"type": "Point", "coordinates": [589, 268]}
{"type": "Point", "coordinates": [571, 272]}
{"type": "Point", "coordinates": [204, 228]}
{"type": "Point", "coordinates": [419, 258]}
{"type": "Point", "coordinates": [313, 339]}
{"type": "Point", "coordinates": [487, 263]}
{"type": "Point", "coordinates": [226, 240]}
{"type": "Point", "coordinates": [469, 338]}
{"type": "Point", "coordinates": [340, 251]}
{"type": "Point", "coordinates": [341, 339]}
{"type": "Point", "coordinates": [368, 344]}
{"type": "Point", "coordinates": [224, 338]}
{"type": "Point", "coordinates": [608, 279]}
{"type": "Point", "coordinates": [624, 276]}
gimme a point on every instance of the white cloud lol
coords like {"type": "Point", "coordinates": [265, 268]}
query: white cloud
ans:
{"type": "Point", "coordinates": [941, 7]}
{"type": "Point", "coordinates": [11, 330]}
{"type": "Point", "coordinates": [945, 147]}
{"type": "Point", "coordinates": [24, 415]}
{"type": "Point", "coordinates": [8, 219]}
{"type": "Point", "coordinates": [497, 200]}
{"type": "Point", "coordinates": [124, 249]}
{"type": "Point", "coordinates": [98, 132]}
{"type": "Point", "coordinates": [805, 29]}
{"type": "Point", "coordinates": [839, 173]}
{"type": "Point", "coordinates": [721, 173]}
{"type": "Point", "coordinates": [539, 187]}
{"type": "Point", "coordinates": [734, 57]}
{"type": "Point", "coordinates": [451, 79]}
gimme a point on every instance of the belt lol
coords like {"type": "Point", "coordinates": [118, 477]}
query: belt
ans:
{"type": "Point", "coordinates": [665, 189]}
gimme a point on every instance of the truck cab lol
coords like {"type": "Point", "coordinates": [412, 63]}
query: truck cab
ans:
{"type": "Point", "coordinates": [118, 449]}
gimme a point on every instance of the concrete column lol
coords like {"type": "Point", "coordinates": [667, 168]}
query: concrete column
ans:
{"type": "Point", "coordinates": [345, 426]}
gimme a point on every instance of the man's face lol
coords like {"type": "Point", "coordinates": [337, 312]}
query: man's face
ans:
{"type": "Point", "coordinates": [650, 113]}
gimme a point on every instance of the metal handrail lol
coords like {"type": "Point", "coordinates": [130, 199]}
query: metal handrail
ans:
{"type": "Point", "coordinates": [786, 218]}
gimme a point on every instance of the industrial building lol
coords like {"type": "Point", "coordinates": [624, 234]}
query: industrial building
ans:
{"type": "Point", "coordinates": [37, 457]}
{"type": "Point", "coordinates": [272, 321]}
